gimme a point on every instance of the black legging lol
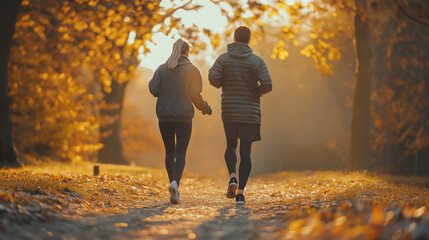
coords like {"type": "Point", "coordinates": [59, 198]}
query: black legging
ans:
{"type": "Point", "coordinates": [245, 162]}
{"type": "Point", "coordinates": [175, 150]}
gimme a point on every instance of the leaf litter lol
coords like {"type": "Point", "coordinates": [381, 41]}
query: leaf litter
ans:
{"type": "Point", "coordinates": [285, 205]}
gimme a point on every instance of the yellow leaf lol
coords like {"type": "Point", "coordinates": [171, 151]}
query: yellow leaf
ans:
{"type": "Point", "coordinates": [273, 13]}
{"type": "Point", "coordinates": [215, 40]}
{"type": "Point", "coordinates": [281, 4]}
{"type": "Point", "coordinates": [295, 42]}
{"type": "Point", "coordinates": [111, 12]}
{"type": "Point", "coordinates": [283, 54]}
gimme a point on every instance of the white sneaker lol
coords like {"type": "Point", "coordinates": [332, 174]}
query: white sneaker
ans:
{"type": "Point", "coordinates": [174, 192]}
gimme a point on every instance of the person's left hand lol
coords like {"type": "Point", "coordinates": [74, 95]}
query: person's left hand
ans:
{"type": "Point", "coordinates": [208, 109]}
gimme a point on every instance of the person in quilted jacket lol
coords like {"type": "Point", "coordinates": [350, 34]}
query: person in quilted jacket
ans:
{"type": "Point", "coordinates": [244, 78]}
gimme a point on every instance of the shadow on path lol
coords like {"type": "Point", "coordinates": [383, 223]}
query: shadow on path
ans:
{"type": "Point", "coordinates": [231, 223]}
{"type": "Point", "coordinates": [89, 227]}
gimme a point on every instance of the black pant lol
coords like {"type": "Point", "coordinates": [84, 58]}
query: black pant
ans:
{"type": "Point", "coordinates": [176, 136]}
{"type": "Point", "coordinates": [245, 162]}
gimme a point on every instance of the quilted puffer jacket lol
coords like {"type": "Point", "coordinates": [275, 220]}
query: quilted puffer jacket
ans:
{"type": "Point", "coordinates": [244, 78]}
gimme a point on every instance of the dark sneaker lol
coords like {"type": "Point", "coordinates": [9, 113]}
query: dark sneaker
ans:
{"type": "Point", "coordinates": [232, 187]}
{"type": "Point", "coordinates": [239, 200]}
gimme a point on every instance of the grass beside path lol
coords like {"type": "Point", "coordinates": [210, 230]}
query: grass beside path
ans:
{"type": "Point", "coordinates": [132, 202]}
{"type": "Point", "coordinates": [72, 188]}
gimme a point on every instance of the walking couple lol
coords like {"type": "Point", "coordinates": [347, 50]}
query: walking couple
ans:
{"type": "Point", "coordinates": [243, 77]}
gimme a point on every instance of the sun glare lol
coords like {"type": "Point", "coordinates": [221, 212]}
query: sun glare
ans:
{"type": "Point", "coordinates": [208, 17]}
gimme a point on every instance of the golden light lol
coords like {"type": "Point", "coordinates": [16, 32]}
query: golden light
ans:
{"type": "Point", "coordinates": [209, 16]}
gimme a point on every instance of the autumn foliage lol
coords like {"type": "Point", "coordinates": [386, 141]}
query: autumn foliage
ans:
{"type": "Point", "coordinates": [52, 107]}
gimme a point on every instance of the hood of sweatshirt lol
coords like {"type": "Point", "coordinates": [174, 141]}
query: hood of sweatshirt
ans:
{"type": "Point", "coordinates": [182, 60]}
{"type": "Point", "coordinates": [239, 50]}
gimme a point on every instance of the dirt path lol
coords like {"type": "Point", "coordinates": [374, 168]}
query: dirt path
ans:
{"type": "Point", "coordinates": [204, 213]}
{"type": "Point", "coordinates": [303, 205]}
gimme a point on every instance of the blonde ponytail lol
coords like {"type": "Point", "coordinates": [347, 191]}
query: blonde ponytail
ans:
{"type": "Point", "coordinates": [180, 47]}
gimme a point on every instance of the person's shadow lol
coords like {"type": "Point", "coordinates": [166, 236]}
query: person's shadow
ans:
{"type": "Point", "coordinates": [231, 223]}
{"type": "Point", "coordinates": [133, 221]}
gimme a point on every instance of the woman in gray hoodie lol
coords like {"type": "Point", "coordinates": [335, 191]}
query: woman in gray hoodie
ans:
{"type": "Point", "coordinates": [177, 84]}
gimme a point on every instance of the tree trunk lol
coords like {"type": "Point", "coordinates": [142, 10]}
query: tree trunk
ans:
{"type": "Point", "coordinates": [359, 147]}
{"type": "Point", "coordinates": [8, 13]}
{"type": "Point", "coordinates": [112, 112]}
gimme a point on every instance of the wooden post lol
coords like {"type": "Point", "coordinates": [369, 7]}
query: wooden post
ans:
{"type": "Point", "coordinates": [96, 170]}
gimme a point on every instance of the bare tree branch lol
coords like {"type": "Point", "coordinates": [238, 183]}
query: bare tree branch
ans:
{"type": "Point", "coordinates": [183, 7]}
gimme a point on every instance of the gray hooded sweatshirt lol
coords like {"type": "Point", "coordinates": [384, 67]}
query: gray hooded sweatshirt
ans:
{"type": "Point", "coordinates": [176, 90]}
{"type": "Point", "coordinates": [244, 78]}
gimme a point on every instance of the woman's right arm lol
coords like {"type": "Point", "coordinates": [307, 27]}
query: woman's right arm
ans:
{"type": "Point", "coordinates": [155, 83]}
{"type": "Point", "coordinates": [196, 86]}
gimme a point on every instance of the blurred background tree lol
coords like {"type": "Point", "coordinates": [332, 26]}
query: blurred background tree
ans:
{"type": "Point", "coordinates": [400, 97]}
{"type": "Point", "coordinates": [8, 14]}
